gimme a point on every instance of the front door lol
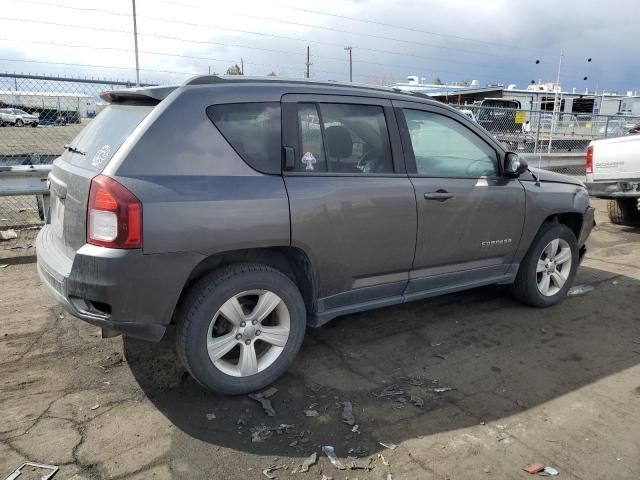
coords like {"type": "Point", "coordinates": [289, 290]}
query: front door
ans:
{"type": "Point", "coordinates": [470, 216]}
{"type": "Point", "coordinates": [353, 209]}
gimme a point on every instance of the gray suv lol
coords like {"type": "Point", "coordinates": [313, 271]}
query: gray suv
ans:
{"type": "Point", "coordinates": [239, 211]}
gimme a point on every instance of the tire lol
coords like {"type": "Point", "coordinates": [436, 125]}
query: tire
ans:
{"type": "Point", "coordinates": [34, 124]}
{"type": "Point", "coordinates": [624, 211]}
{"type": "Point", "coordinates": [200, 321]}
{"type": "Point", "coordinates": [19, 123]}
{"type": "Point", "coordinates": [526, 287]}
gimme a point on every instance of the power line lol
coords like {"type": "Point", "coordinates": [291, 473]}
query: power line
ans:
{"type": "Point", "coordinates": [164, 54]}
{"type": "Point", "coordinates": [207, 42]}
{"type": "Point", "coordinates": [226, 60]}
{"type": "Point", "coordinates": [288, 22]}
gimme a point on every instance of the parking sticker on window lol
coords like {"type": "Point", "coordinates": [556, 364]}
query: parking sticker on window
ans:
{"type": "Point", "coordinates": [101, 155]}
{"type": "Point", "coordinates": [308, 159]}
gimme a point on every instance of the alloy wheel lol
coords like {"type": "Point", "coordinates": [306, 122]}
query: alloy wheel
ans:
{"type": "Point", "coordinates": [248, 333]}
{"type": "Point", "coordinates": [554, 267]}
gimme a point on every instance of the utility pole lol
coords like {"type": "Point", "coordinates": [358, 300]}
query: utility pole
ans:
{"type": "Point", "coordinates": [135, 41]}
{"type": "Point", "coordinates": [350, 63]}
{"type": "Point", "coordinates": [308, 64]}
{"type": "Point", "coordinates": [241, 66]}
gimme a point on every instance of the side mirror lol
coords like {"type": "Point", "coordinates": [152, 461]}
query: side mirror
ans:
{"type": "Point", "coordinates": [514, 166]}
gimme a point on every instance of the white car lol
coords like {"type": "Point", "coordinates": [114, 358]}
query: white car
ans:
{"type": "Point", "coordinates": [17, 117]}
{"type": "Point", "coordinates": [613, 172]}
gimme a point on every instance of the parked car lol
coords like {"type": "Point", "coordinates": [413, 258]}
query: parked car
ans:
{"type": "Point", "coordinates": [613, 172]}
{"type": "Point", "coordinates": [240, 211]}
{"type": "Point", "coordinates": [17, 117]}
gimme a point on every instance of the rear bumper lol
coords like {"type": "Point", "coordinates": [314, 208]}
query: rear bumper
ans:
{"type": "Point", "coordinates": [121, 290]}
{"type": "Point", "coordinates": [620, 189]}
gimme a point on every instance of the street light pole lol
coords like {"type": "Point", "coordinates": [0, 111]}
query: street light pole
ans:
{"type": "Point", "coordinates": [350, 63]}
{"type": "Point", "coordinates": [135, 41]}
{"type": "Point", "coordinates": [556, 107]}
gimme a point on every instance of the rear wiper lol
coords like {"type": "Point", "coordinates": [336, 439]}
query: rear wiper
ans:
{"type": "Point", "coordinates": [73, 149]}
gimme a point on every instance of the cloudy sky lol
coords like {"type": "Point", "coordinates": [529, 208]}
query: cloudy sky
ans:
{"type": "Point", "coordinates": [493, 41]}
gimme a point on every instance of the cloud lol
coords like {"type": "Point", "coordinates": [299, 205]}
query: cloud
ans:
{"type": "Point", "coordinates": [493, 41]}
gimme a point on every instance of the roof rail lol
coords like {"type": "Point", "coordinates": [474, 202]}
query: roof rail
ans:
{"type": "Point", "coordinates": [217, 79]}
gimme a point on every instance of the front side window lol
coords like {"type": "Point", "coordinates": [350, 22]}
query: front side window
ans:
{"type": "Point", "coordinates": [343, 138]}
{"type": "Point", "coordinates": [253, 130]}
{"type": "Point", "coordinates": [443, 147]}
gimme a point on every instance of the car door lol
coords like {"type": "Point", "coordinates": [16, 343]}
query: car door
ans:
{"type": "Point", "coordinates": [353, 209]}
{"type": "Point", "coordinates": [470, 216]}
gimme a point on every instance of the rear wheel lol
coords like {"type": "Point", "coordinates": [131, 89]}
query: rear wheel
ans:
{"type": "Point", "coordinates": [549, 267]}
{"type": "Point", "coordinates": [624, 211]}
{"type": "Point", "coordinates": [240, 327]}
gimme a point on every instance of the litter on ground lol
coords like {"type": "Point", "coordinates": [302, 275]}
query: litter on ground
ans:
{"type": "Point", "coordinates": [533, 468]}
{"type": "Point", "coordinates": [579, 290]}
{"type": "Point", "coordinates": [266, 404]}
{"type": "Point", "coordinates": [8, 234]}
{"type": "Point", "coordinates": [330, 452]}
{"type": "Point", "coordinates": [442, 389]}
{"type": "Point", "coordinates": [311, 460]}
{"type": "Point", "coordinates": [35, 471]}
{"type": "Point", "coordinates": [347, 413]}
{"type": "Point", "coordinates": [389, 445]}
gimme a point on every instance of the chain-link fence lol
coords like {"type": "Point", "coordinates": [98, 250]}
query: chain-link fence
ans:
{"type": "Point", "coordinates": [39, 115]}
{"type": "Point", "coordinates": [532, 131]}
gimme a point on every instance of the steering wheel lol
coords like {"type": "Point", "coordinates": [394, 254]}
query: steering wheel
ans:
{"type": "Point", "coordinates": [366, 163]}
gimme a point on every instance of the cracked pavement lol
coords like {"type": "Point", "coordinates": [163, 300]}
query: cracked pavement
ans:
{"type": "Point", "coordinates": [559, 386]}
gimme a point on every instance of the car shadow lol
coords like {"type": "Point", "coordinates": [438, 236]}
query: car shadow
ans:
{"type": "Point", "coordinates": [496, 356]}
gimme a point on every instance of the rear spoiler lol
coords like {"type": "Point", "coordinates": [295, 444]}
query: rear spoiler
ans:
{"type": "Point", "coordinates": [138, 95]}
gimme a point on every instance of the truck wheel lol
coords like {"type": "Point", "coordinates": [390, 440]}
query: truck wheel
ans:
{"type": "Point", "coordinates": [549, 267]}
{"type": "Point", "coordinates": [624, 211]}
{"type": "Point", "coordinates": [240, 327]}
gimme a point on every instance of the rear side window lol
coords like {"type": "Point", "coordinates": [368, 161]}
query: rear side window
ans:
{"type": "Point", "coordinates": [104, 135]}
{"type": "Point", "coordinates": [253, 130]}
{"type": "Point", "coordinates": [343, 138]}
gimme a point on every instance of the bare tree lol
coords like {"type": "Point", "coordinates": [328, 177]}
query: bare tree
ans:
{"type": "Point", "coordinates": [234, 70]}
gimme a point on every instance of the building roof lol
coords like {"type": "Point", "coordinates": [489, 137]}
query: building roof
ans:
{"type": "Point", "coordinates": [26, 93]}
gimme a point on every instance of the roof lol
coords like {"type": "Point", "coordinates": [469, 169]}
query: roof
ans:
{"type": "Point", "coordinates": [156, 94]}
{"type": "Point", "coordinates": [446, 90]}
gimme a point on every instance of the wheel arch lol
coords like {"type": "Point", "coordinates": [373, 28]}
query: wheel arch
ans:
{"type": "Point", "coordinates": [573, 220]}
{"type": "Point", "coordinates": [291, 261]}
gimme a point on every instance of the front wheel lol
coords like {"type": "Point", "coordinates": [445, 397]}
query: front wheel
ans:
{"type": "Point", "coordinates": [240, 327]}
{"type": "Point", "coordinates": [549, 267]}
{"type": "Point", "coordinates": [19, 123]}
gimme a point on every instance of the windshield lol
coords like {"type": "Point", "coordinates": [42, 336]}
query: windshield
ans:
{"type": "Point", "coordinates": [100, 140]}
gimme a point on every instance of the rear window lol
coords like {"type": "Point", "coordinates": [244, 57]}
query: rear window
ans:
{"type": "Point", "coordinates": [253, 130]}
{"type": "Point", "coordinates": [104, 135]}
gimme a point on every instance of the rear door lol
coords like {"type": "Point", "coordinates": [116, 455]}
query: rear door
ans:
{"type": "Point", "coordinates": [470, 217]}
{"type": "Point", "coordinates": [352, 205]}
{"type": "Point", "coordinates": [72, 172]}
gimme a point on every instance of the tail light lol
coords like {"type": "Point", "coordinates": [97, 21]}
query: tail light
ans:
{"type": "Point", "coordinates": [114, 215]}
{"type": "Point", "coordinates": [589, 164]}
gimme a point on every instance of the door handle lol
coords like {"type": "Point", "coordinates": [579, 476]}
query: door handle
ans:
{"type": "Point", "coordinates": [440, 195]}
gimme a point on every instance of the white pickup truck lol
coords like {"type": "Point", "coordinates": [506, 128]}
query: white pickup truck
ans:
{"type": "Point", "coordinates": [613, 172]}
